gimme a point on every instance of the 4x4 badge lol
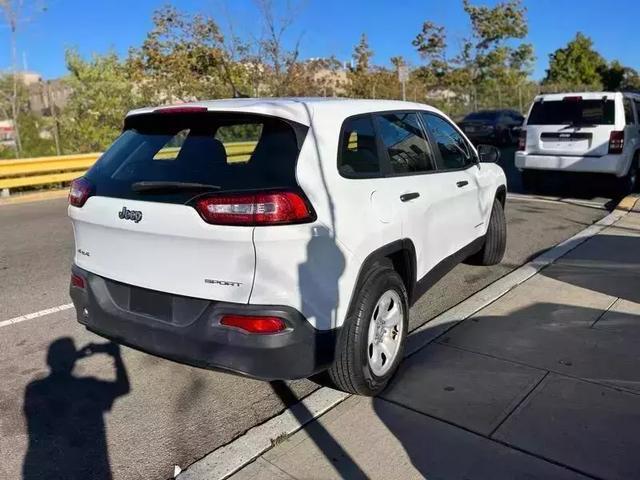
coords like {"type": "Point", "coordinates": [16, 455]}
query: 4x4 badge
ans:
{"type": "Point", "coordinates": [126, 214]}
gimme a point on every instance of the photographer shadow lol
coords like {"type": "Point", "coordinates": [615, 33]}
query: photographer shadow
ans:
{"type": "Point", "coordinates": [65, 415]}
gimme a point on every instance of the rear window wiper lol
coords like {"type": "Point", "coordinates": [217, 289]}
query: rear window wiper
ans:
{"type": "Point", "coordinates": [151, 186]}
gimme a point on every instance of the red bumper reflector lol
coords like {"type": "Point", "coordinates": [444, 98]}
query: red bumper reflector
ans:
{"type": "Point", "coordinates": [77, 281]}
{"type": "Point", "coordinates": [253, 324]}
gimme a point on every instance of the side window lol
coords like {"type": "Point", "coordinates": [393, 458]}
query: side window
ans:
{"type": "Point", "coordinates": [405, 142]}
{"type": "Point", "coordinates": [637, 102]}
{"type": "Point", "coordinates": [454, 151]}
{"type": "Point", "coordinates": [358, 151]}
{"type": "Point", "coordinates": [628, 111]}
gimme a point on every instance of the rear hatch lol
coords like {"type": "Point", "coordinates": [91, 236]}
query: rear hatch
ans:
{"type": "Point", "coordinates": [571, 126]}
{"type": "Point", "coordinates": [142, 224]}
{"type": "Point", "coordinates": [479, 123]}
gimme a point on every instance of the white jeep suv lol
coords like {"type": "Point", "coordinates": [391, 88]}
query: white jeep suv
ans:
{"type": "Point", "coordinates": [278, 238]}
{"type": "Point", "coordinates": [595, 132]}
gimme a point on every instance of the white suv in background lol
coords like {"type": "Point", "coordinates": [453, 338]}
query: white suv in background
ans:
{"type": "Point", "coordinates": [278, 238]}
{"type": "Point", "coordinates": [596, 132]}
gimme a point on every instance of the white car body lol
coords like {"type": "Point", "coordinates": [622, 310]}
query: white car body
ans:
{"type": "Point", "coordinates": [582, 148]}
{"type": "Point", "coordinates": [312, 268]}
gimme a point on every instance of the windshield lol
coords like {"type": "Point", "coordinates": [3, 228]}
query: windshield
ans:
{"type": "Point", "coordinates": [573, 112]}
{"type": "Point", "coordinates": [230, 152]}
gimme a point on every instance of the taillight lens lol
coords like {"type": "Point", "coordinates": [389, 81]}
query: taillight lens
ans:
{"type": "Point", "coordinates": [264, 208]}
{"type": "Point", "coordinates": [254, 324]}
{"type": "Point", "coordinates": [81, 189]}
{"type": "Point", "coordinates": [77, 281]}
{"type": "Point", "coordinates": [616, 141]}
{"type": "Point", "coordinates": [522, 141]}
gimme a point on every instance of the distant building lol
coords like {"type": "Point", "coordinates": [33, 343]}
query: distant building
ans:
{"type": "Point", "coordinates": [43, 95]}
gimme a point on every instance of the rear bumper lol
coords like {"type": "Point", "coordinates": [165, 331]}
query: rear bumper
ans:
{"type": "Point", "coordinates": [298, 352]}
{"type": "Point", "coordinates": [610, 164]}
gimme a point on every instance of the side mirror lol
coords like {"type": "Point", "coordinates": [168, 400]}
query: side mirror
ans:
{"type": "Point", "coordinates": [488, 154]}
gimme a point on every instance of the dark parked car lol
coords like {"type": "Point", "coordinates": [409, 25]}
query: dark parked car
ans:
{"type": "Point", "coordinates": [499, 127]}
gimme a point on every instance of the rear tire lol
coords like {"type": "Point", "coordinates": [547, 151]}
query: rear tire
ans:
{"type": "Point", "coordinates": [495, 240]}
{"type": "Point", "coordinates": [629, 182]}
{"type": "Point", "coordinates": [361, 366]}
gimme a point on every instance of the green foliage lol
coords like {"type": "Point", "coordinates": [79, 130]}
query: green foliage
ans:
{"type": "Point", "coordinates": [491, 67]}
{"type": "Point", "coordinates": [616, 76]}
{"type": "Point", "coordinates": [360, 80]}
{"type": "Point", "coordinates": [102, 93]}
{"type": "Point", "coordinates": [182, 59]}
{"type": "Point", "coordinates": [576, 66]}
{"type": "Point", "coordinates": [36, 132]}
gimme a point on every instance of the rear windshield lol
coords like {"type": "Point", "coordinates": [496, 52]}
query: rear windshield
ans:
{"type": "Point", "coordinates": [230, 151]}
{"type": "Point", "coordinates": [482, 116]}
{"type": "Point", "coordinates": [573, 112]}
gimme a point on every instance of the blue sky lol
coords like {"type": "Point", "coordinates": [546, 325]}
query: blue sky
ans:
{"type": "Point", "coordinates": [327, 27]}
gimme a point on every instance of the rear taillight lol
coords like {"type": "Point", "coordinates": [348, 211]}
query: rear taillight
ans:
{"type": "Point", "coordinates": [264, 208]}
{"type": "Point", "coordinates": [522, 141]}
{"type": "Point", "coordinates": [254, 324]}
{"type": "Point", "coordinates": [77, 281]}
{"type": "Point", "coordinates": [616, 141]}
{"type": "Point", "coordinates": [80, 190]}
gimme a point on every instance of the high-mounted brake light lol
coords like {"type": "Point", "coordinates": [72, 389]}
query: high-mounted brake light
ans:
{"type": "Point", "coordinates": [616, 141]}
{"type": "Point", "coordinates": [572, 99]}
{"type": "Point", "coordinates": [254, 209]}
{"type": "Point", "coordinates": [186, 109]}
{"type": "Point", "coordinates": [254, 324]}
{"type": "Point", "coordinates": [522, 140]}
{"type": "Point", "coordinates": [81, 189]}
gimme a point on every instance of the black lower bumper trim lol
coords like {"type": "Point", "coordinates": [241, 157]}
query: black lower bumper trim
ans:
{"type": "Point", "coordinates": [298, 352]}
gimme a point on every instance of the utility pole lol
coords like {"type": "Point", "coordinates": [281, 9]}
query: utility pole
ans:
{"type": "Point", "coordinates": [403, 76]}
{"type": "Point", "coordinates": [52, 109]}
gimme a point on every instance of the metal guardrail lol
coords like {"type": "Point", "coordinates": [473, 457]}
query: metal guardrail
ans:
{"type": "Point", "coordinates": [36, 172]}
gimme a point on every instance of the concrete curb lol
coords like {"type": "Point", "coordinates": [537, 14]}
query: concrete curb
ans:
{"type": "Point", "coordinates": [34, 197]}
{"type": "Point", "coordinates": [230, 458]}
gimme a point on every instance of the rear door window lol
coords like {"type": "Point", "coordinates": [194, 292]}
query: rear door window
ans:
{"type": "Point", "coordinates": [405, 142]}
{"type": "Point", "coordinates": [573, 111]}
{"type": "Point", "coordinates": [231, 151]}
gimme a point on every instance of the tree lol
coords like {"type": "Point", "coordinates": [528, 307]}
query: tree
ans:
{"type": "Point", "coordinates": [36, 138]}
{"type": "Point", "coordinates": [490, 64]}
{"type": "Point", "coordinates": [282, 68]}
{"type": "Point", "coordinates": [12, 13]}
{"type": "Point", "coordinates": [616, 76]}
{"type": "Point", "coordinates": [360, 81]}
{"type": "Point", "coordinates": [102, 93]}
{"type": "Point", "coordinates": [183, 58]}
{"type": "Point", "coordinates": [576, 66]}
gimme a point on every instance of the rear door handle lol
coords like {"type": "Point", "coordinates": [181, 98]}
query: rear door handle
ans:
{"type": "Point", "coordinates": [462, 183]}
{"type": "Point", "coordinates": [405, 197]}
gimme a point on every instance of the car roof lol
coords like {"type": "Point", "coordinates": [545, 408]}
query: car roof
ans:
{"type": "Point", "coordinates": [298, 109]}
{"type": "Point", "coordinates": [585, 95]}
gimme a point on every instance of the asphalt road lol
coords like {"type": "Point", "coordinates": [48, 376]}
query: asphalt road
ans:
{"type": "Point", "coordinates": [147, 415]}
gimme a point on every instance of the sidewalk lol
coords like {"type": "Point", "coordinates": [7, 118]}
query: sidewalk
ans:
{"type": "Point", "coordinates": [542, 383]}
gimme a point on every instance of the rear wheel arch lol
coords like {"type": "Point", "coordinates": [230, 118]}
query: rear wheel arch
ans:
{"type": "Point", "coordinates": [399, 255]}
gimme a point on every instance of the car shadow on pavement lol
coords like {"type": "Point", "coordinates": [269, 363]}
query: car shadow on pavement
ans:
{"type": "Point", "coordinates": [65, 415]}
{"type": "Point", "coordinates": [323, 440]}
{"type": "Point", "coordinates": [608, 264]}
{"type": "Point", "coordinates": [515, 393]}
